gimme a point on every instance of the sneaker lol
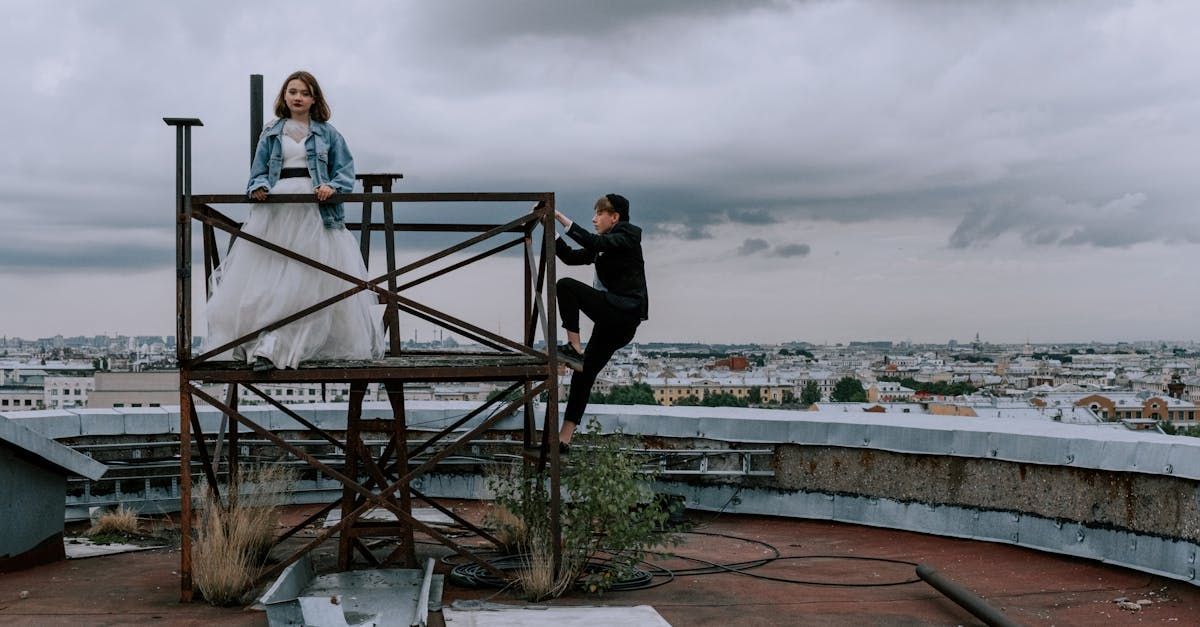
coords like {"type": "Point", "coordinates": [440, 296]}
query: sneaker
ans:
{"type": "Point", "coordinates": [262, 364]}
{"type": "Point", "coordinates": [571, 357]}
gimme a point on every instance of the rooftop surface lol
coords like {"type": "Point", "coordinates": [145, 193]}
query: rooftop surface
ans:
{"type": "Point", "coordinates": [1030, 587]}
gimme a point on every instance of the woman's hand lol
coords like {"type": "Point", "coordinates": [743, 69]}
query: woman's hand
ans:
{"type": "Point", "coordinates": [259, 194]}
{"type": "Point", "coordinates": [562, 219]}
{"type": "Point", "coordinates": [323, 193]}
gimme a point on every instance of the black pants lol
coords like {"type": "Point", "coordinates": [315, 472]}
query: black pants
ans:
{"type": "Point", "coordinates": [613, 329]}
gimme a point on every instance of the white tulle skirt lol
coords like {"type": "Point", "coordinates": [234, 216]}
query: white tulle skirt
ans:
{"type": "Point", "coordinates": [255, 286]}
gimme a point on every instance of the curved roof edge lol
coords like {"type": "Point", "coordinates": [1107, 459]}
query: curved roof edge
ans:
{"type": "Point", "coordinates": [1103, 447]}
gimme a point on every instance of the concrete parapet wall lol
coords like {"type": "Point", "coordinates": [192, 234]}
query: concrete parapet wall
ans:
{"type": "Point", "coordinates": [1142, 503]}
{"type": "Point", "coordinates": [1015, 481]}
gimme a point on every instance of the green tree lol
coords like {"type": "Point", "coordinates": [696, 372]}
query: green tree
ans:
{"type": "Point", "coordinates": [691, 400]}
{"type": "Point", "coordinates": [755, 396]}
{"type": "Point", "coordinates": [723, 399]}
{"type": "Point", "coordinates": [848, 390]}
{"type": "Point", "coordinates": [636, 394]}
{"type": "Point", "coordinates": [810, 394]}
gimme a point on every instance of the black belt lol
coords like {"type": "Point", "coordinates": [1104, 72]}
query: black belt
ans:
{"type": "Point", "coordinates": [293, 173]}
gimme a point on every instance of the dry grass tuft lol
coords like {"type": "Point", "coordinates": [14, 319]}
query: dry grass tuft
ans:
{"type": "Point", "coordinates": [509, 528]}
{"type": "Point", "coordinates": [120, 520]}
{"type": "Point", "coordinates": [234, 538]}
{"type": "Point", "coordinates": [536, 575]}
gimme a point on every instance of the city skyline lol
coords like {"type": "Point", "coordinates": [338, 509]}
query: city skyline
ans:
{"type": "Point", "coordinates": [822, 171]}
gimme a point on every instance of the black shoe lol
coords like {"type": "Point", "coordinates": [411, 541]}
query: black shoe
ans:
{"type": "Point", "coordinates": [262, 364]}
{"type": "Point", "coordinates": [571, 357]}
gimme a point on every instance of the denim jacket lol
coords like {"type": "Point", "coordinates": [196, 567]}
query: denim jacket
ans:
{"type": "Point", "coordinates": [329, 163]}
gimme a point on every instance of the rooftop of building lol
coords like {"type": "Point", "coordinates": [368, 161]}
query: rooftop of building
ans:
{"type": "Point", "coordinates": [853, 575]}
{"type": "Point", "coordinates": [1033, 587]}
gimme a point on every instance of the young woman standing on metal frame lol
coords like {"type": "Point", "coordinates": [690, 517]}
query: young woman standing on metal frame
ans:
{"type": "Point", "coordinates": [298, 153]}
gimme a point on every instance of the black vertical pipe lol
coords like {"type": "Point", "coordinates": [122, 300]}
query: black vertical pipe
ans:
{"type": "Point", "coordinates": [550, 422]}
{"type": "Point", "coordinates": [256, 111]}
{"type": "Point", "coordinates": [389, 233]}
{"type": "Point", "coordinates": [527, 280]}
{"type": "Point", "coordinates": [181, 253]}
{"type": "Point", "coordinates": [185, 272]}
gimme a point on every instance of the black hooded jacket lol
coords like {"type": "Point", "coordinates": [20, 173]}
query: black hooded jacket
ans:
{"type": "Point", "coordinates": [619, 264]}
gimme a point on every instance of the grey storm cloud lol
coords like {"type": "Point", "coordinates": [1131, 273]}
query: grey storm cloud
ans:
{"type": "Point", "coordinates": [751, 216]}
{"type": "Point", "coordinates": [756, 245]}
{"type": "Point", "coordinates": [86, 258]}
{"type": "Point", "coordinates": [1120, 222]}
{"type": "Point", "coordinates": [885, 114]}
{"type": "Point", "coordinates": [752, 246]}
{"type": "Point", "coordinates": [791, 250]}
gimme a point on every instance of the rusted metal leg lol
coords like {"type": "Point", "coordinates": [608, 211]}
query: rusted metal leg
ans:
{"type": "Point", "coordinates": [185, 493]}
{"type": "Point", "coordinates": [395, 392]}
{"type": "Point", "coordinates": [354, 449]}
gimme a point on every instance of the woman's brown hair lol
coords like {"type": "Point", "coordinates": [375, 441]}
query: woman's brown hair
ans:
{"type": "Point", "coordinates": [320, 108]}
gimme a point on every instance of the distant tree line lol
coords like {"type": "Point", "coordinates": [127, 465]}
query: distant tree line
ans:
{"type": "Point", "coordinates": [719, 399]}
{"type": "Point", "coordinates": [636, 394]}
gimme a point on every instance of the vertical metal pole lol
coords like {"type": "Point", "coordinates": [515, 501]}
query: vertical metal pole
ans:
{"type": "Point", "coordinates": [354, 451]}
{"type": "Point", "coordinates": [256, 111]}
{"type": "Point", "coordinates": [551, 422]}
{"type": "Point", "coordinates": [389, 232]}
{"type": "Point", "coordinates": [395, 390]}
{"type": "Point", "coordinates": [527, 264]}
{"type": "Point", "coordinates": [184, 335]}
{"type": "Point", "coordinates": [183, 344]}
{"type": "Point", "coordinates": [185, 352]}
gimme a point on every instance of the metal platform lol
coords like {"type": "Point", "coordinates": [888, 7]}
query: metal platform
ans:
{"type": "Point", "coordinates": [371, 480]}
{"type": "Point", "coordinates": [456, 366]}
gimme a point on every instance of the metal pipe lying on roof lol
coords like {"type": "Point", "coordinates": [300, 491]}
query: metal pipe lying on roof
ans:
{"type": "Point", "coordinates": [968, 600]}
{"type": "Point", "coordinates": [422, 614]}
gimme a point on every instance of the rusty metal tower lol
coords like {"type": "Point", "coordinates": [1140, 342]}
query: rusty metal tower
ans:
{"type": "Point", "coordinates": [370, 480]}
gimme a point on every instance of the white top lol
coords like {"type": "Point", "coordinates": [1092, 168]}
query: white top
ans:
{"type": "Point", "coordinates": [294, 153]}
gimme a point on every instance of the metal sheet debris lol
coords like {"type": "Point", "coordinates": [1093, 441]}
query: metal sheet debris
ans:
{"type": "Point", "coordinates": [636, 616]}
{"type": "Point", "coordinates": [382, 597]}
{"type": "Point", "coordinates": [427, 515]}
{"type": "Point", "coordinates": [80, 548]}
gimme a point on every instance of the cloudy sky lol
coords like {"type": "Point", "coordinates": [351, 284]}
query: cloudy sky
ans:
{"type": "Point", "coordinates": [818, 171]}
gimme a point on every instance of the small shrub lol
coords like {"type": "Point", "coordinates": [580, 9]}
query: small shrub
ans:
{"type": "Point", "coordinates": [118, 521]}
{"type": "Point", "coordinates": [608, 510]}
{"type": "Point", "coordinates": [234, 538]}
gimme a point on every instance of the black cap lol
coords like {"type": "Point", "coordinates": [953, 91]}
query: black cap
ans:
{"type": "Point", "coordinates": [619, 204]}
